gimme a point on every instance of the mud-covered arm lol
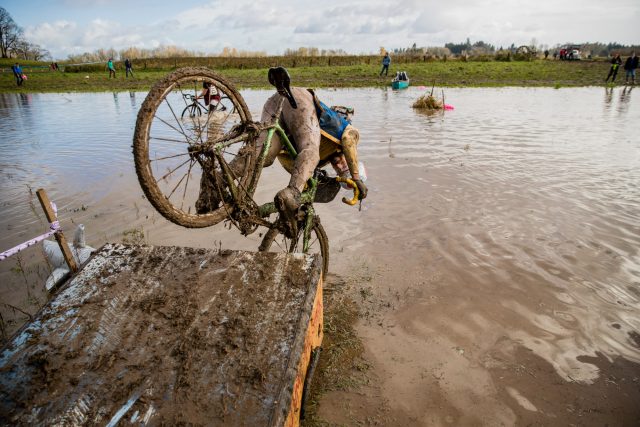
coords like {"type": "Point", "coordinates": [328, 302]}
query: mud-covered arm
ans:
{"type": "Point", "coordinates": [350, 139]}
{"type": "Point", "coordinates": [304, 165]}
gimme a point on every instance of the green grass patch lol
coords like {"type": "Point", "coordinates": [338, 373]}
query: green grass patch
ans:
{"type": "Point", "coordinates": [447, 74]}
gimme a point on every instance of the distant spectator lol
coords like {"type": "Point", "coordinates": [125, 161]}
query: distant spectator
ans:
{"type": "Point", "coordinates": [212, 100]}
{"type": "Point", "coordinates": [613, 71]}
{"type": "Point", "coordinates": [563, 54]}
{"type": "Point", "coordinates": [555, 55]}
{"type": "Point", "coordinates": [128, 67]}
{"type": "Point", "coordinates": [546, 53]}
{"type": "Point", "coordinates": [385, 64]}
{"type": "Point", "coordinates": [17, 72]}
{"type": "Point", "coordinates": [401, 76]}
{"type": "Point", "coordinates": [112, 70]}
{"type": "Point", "coordinates": [630, 66]}
{"type": "Point", "coordinates": [55, 64]}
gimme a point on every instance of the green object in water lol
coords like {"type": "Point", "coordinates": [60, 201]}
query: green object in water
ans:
{"type": "Point", "coordinates": [400, 84]}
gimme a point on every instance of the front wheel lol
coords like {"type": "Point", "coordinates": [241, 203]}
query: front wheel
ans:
{"type": "Point", "coordinates": [174, 155]}
{"type": "Point", "coordinates": [275, 241]}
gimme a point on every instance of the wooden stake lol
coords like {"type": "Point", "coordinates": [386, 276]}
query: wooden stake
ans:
{"type": "Point", "coordinates": [62, 241]}
{"type": "Point", "coordinates": [443, 101]}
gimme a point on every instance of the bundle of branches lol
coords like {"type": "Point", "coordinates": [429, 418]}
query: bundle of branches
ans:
{"type": "Point", "coordinates": [429, 102]}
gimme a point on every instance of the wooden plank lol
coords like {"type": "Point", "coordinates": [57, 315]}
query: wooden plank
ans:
{"type": "Point", "coordinates": [62, 241]}
{"type": "Point", "coordinates": [168, 335]}
{"type": "Point", "coordinates": [312, 340]}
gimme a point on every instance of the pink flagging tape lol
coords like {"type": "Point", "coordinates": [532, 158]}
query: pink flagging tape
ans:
{"type": "Point", "coordinates": [54, 226]}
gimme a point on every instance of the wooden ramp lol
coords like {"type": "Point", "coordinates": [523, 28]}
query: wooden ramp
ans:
{"type": "Point", "coordinates": [168, 335]}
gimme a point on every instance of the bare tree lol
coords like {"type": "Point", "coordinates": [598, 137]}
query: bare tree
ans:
{"type": "Point", "coordinates": [10, 33]}
{"type": "Point", "coordinates": [30, 51]}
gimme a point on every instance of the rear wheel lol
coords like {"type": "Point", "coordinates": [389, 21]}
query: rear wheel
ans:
{"type": "Point", "coordinates": [174, 155]}
{"type": "Point", "coordinates": [191, 111]}
{"type": "Point", "coordinates": [275, 241]}
{"type": "Point", "coordinates": [224, 104]}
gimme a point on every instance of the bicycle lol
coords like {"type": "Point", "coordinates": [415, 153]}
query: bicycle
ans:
{"type": "Point", "coordinates": [195, 108]}
{"type": "Point", "coordinates": [220, 153]}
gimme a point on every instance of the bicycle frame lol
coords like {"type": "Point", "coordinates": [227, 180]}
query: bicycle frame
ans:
{"type": "Point", "coordinates": [196, 102]}
{"type": "Point", "coordinates": [269, 208]}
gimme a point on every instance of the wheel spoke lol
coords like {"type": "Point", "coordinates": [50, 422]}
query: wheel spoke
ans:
{"type": "Point", "coordinates": [168, 140]}
{"type": "Point", "coordinates": [172, 171]}
{"type": "Point", "coordinates": [294, 245]}
{"type": "Point", "coordinates": [275, 241]}
{"type": "Point", "coordinates": [169, 157]}
{"type": "Point", "coordinates": [179, 182]}
{"type": "Point", "coordinates": [205, 127]}
{"type": "Point", "coordinates": [176, 118]}
{"type": "Point", "coordinates": [194, 105]}
{"type": "Point", "coordinates": [177, 130]}
{"type": "Point", "coordinates": [184, 98]}
{"type": "Point", "coordinates": [184, 193]}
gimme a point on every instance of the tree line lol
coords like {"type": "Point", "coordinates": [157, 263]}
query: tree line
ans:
{"type": "Point", "coordinates": [479, 48]}
{"type": "Point", "coordinates": [12, 41]}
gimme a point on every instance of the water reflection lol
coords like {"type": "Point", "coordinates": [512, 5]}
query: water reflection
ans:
{"type": "Point", "coordinates": [625, 97]}
{"type": "Point", "coordinates": [608, 97]}
{"type": "Point", "coordinates": [115, 101]}
{"type": "Point", "coordinates": [26, 99]}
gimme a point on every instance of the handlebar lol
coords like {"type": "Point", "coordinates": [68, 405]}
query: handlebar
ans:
{"type": "Point", "coordinates": [356, 193]}
{"type": "Point", "coordinates": [189, 96]}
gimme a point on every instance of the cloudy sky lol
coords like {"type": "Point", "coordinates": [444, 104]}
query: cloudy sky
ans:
{"type": "Point", "coordinates": [357, 26]}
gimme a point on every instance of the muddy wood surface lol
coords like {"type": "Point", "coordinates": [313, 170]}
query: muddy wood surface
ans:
{"type": "Point", "coordinates": [163, 335]}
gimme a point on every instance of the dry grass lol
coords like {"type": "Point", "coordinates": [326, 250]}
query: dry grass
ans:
{"type": "Point", "coordinates": [428, 102]}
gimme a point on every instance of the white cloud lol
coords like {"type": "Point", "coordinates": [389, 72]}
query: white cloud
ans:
{"type": "Point", "coordinates": [63, 37]}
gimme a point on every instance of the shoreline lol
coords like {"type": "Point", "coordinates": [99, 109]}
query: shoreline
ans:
{"type": "Point", "coordinates": [456, 74]}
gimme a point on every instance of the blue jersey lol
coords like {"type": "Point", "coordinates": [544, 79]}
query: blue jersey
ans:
{"type": "Point", "coordinates": [330, 121]}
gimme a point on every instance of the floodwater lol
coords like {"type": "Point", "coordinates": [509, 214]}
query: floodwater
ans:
{"type": "Point", "coordinates": [496, 255]}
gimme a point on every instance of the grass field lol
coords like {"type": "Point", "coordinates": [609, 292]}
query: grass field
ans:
{"type": "Point", "coordinates": [449, 74]}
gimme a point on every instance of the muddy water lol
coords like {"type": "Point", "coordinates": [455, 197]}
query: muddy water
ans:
{"type": "Point", "coordinates": [496, 256]}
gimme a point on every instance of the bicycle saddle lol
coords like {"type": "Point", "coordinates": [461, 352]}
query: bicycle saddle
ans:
{"type": "Point", "coordinates": [279, 77]}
